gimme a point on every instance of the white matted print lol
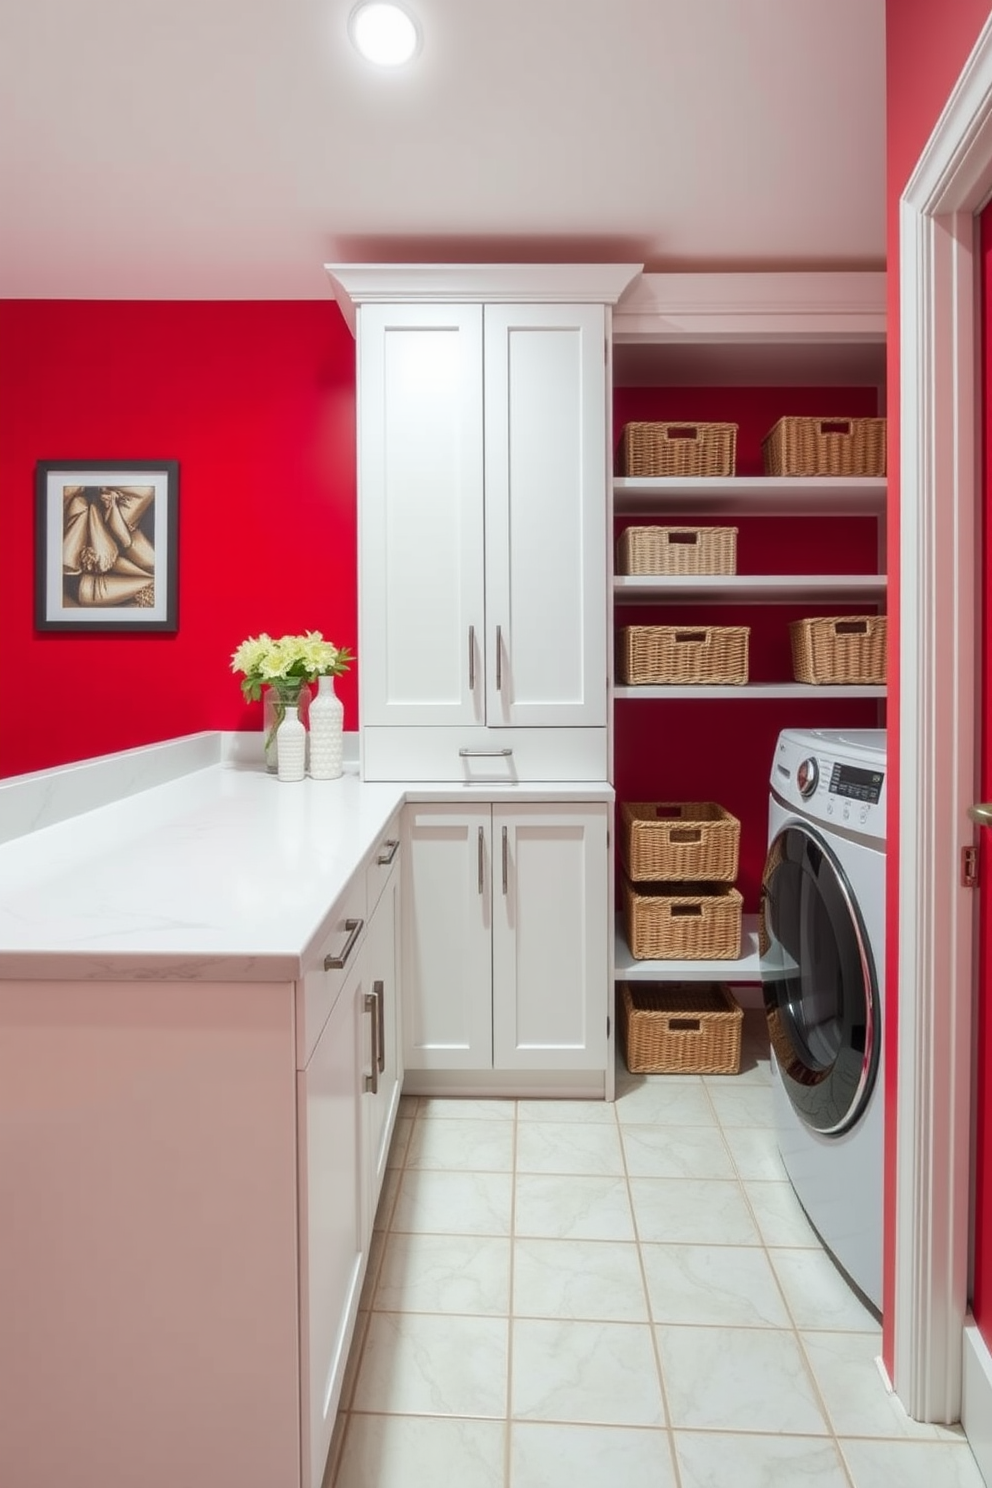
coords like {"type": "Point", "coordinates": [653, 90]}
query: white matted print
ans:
{"type": "Point", "coordinates": [107, 545]}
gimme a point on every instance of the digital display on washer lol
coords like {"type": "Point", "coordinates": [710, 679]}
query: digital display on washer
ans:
{"type": "Point", "coordinates": [860, 785]}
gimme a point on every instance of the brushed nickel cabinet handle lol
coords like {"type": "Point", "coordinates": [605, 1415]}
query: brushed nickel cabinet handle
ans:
{"type": "Point", "coordinates": [335, 963]}
{"type": "Point", "coordinates": [471, 658]}
{"type": "Point", "coordinates": [981, 813]}
{"type": "Point", "coordinates": [504, 859]}
{"type": "Point", "coordinates": [385, 858]}
{"type": "Point", "coordinates": [482, 860]}
{"type": "Point", "coordinates": [499, 658]}
{"type": "Point", "coordinates": [379, 993]}
{"type": "Point", "coordinates": [372, 1006]}
{"type": "Point", "coordinates": [484, 753]}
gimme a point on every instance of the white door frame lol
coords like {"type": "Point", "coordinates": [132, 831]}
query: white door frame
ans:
{"type": "Point", "coordinates": [939, 523]}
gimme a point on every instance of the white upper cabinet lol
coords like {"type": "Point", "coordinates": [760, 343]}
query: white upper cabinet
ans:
{"type": "Point", "coordinates": [483, 518]}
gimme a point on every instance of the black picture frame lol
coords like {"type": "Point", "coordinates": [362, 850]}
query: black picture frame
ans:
{"type": "Point", "coordinates": [107, 545]}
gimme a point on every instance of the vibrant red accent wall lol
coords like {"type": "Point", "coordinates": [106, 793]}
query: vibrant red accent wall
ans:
{"type": "Point", "coordinates": [927, 43]}
{"type": "Point", "coordinates": [722, 751]}
{"type": "Point", "coordinates": [257, 403]}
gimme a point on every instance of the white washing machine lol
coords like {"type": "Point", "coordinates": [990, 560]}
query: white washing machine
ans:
{"type": "Point", "coordinates": [823, 966]}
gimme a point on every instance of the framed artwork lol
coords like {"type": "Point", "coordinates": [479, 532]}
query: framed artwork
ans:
{"type": "Point", "coordinates": [107, 545]}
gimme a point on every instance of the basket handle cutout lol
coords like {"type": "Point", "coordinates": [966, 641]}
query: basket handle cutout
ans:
{"type": "Point", "coordinates": [688, 539]}
{"type": "Point", "coordinates": [686, 834]}
{"type": "Point", "coordinates": [851, 627]}
{"type": "Point", "coordinates": [684, 431]}
{"type": "Point", "coordinates": [835, 426]}
{"type": "Point", "coordinates": [693, 637]}
{"type": "Point", "coordinates": [687, 909]}
{"type": "Point", "coordinates": [668, 813]}
{"type": "Point", "coordinates": [684, 1025]}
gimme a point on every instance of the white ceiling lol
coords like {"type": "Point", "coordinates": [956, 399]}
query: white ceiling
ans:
{"type": "Point", "coordinates": [229, 148]}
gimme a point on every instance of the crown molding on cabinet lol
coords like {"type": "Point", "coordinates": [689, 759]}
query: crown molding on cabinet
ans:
{"type": "Point", "coordinates": [546, 284]}
{"type": "Point", "coordinates": [753, 307]}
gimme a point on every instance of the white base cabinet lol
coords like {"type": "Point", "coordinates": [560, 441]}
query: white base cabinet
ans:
{"type": "Point", "coordinates": [505, 937]}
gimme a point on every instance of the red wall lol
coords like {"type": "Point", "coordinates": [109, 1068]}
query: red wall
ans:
{"type": "Point", "coordinates": [257, 403]}
{"type": "Point", "coordinates": [927, 45]}
{"type": "Point", "coordinates": [723, 751]}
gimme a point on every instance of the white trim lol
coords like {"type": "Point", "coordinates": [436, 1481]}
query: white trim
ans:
{"type": "Point", "coordinates": [939, 553]}
{"type": "Point", "coordinates": [753, 307]}
{"type": "Point", "coordinates": [512, 284]}
{"type": "Point", "coordinates": [976, 1402]}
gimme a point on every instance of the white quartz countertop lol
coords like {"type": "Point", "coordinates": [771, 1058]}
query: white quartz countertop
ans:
{"type": "Point", "coordinates": [224, 873]}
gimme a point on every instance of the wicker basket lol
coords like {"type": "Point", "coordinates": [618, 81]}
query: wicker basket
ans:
{"type": "Point", "coordinates": [840, 648]}
{"type": "Point", "coordinates": [680, 1028]}
{"type": "Point", "coordinates": [677, 550]}
{"type": "Point", "coordinates": [682, 922]}
{"type": "Point", "coordinates": [679, 653]}
{"type": "Point", "coordinates": [677, 449]}
{"type": "Point", "coordinates": [696, 840]}
{"type": "Point", "coordinates": [817, 446]}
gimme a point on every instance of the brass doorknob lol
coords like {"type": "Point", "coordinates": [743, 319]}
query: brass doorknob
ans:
{"type": "Point", "coordinates": [981, 813]}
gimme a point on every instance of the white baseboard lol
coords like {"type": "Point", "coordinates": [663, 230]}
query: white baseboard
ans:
{"type": "Point", "coordinates": [976, 1397]}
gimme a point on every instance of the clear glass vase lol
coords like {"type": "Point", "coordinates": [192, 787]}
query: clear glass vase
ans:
{"type": "Point", "coordinates": [277, 697]}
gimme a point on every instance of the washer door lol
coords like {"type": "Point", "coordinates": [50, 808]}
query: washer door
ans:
{"type": "Point", "coordinates": [818, 976]}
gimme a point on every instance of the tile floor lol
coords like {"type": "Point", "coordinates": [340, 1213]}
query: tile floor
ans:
{"type": "Point", "coordinates": [570, 1294]}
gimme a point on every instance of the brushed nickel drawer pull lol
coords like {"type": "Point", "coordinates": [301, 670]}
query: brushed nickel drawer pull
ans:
{"type": "Point", "coordinates": [385, 858]}
{"type": "Point", "coordinates": [335, 963]}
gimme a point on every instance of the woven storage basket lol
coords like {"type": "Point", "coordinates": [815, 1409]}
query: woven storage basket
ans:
{"type": "Point", "coordinates": [696, 840]}
{"type": "Point", "coordinates": [680, 653]}
{"type": "Point", "coordinates": [677, 449]}
{"type": "Point", "coordinates": [677, 550]}
{"type": "Point", "coordinates": [840, 648]}
{"type": "Point", "coordinates": [816, 446]}
{"type": "Point", "coordinates": [682, 922]}
{"type": "Point", "coordinates": [680, 1028]}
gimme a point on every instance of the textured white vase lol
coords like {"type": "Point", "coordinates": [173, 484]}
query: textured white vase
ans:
{"type": "Point", "coordinates": [291, 746]}
{"type": "Point", "coordinates": [326, 732]}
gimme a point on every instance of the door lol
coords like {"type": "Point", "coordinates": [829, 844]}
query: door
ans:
{"type": "Point", "coordinates": [981, 1288]}
{"type": "Point", "coordinates": [420, 471]}
{"type": "Point", "coordinates": [819, 980]}
{"type": "Point", "coordinates": [332, 1200]}
{"type": "Point", "coordinates": [550, 958]}
{"type": "Point", "coordinates": [382, 1087]}
{"type": "Point", "coordinates": [545, 474]}
{"type": "Point", "coordinates": [447, 938]}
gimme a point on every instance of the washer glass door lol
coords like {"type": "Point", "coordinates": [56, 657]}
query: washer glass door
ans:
{"type": "Point", "coordinates": [818, 976]}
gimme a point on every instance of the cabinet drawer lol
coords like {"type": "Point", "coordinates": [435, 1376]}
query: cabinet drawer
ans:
{"type": "Point", "coordinates": [436, 754]}
{"type": "Point", "coordinates": [323, 979]}
{"type": "Point", "coordinates": [384, 859]}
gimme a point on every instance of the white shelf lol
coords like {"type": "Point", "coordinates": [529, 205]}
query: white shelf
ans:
{"type": "Point", "coordinates": [671, 691]}
{"type": "Point", "coordinates": [741, 588]}
{"type": "Point", "coordinates": [746, 969]}
{"type": "Point", "coordinates": [751, 495]}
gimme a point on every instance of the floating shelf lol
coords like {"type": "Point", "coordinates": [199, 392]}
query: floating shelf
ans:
{"type": "Point", "coordinates": [741, 588]}
{"type": "Point", "coordinates": [746, 969]}
{"type": "Point", "coordinates": [746, 495]}
{"type": "Point", "coordinates": [673, 691]}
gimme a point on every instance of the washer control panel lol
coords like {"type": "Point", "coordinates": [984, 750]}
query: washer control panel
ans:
{"type": "Point", "coordinates": [830, 788]}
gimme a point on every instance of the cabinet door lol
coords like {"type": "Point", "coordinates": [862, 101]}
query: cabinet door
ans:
{"type": "Point", "coordinates": [331, 1209]}
{"type": "Point", "coordinates": [447, 952]}
{"type": "Point", "coordinates": [546, 504]}
{"type": "Point", "coordinates": [382, 1086]}
{"type": "Point", "coordinates": [420, 470]}
{"type": "Point", "coordinates": [550, 955]}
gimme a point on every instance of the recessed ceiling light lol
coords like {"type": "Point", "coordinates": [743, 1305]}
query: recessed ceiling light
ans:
{"type": "Point", "coordinates": [386, 34]}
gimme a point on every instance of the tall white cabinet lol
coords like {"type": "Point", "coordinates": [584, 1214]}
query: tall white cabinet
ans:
{"type": "Point", "coordinates": [484, 631]}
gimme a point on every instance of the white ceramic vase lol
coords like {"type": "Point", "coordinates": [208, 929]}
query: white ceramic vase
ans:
{"type": "Point", "coordinates": [326, 732]}
{"type": "Point", "coordinates": [291, 746]}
